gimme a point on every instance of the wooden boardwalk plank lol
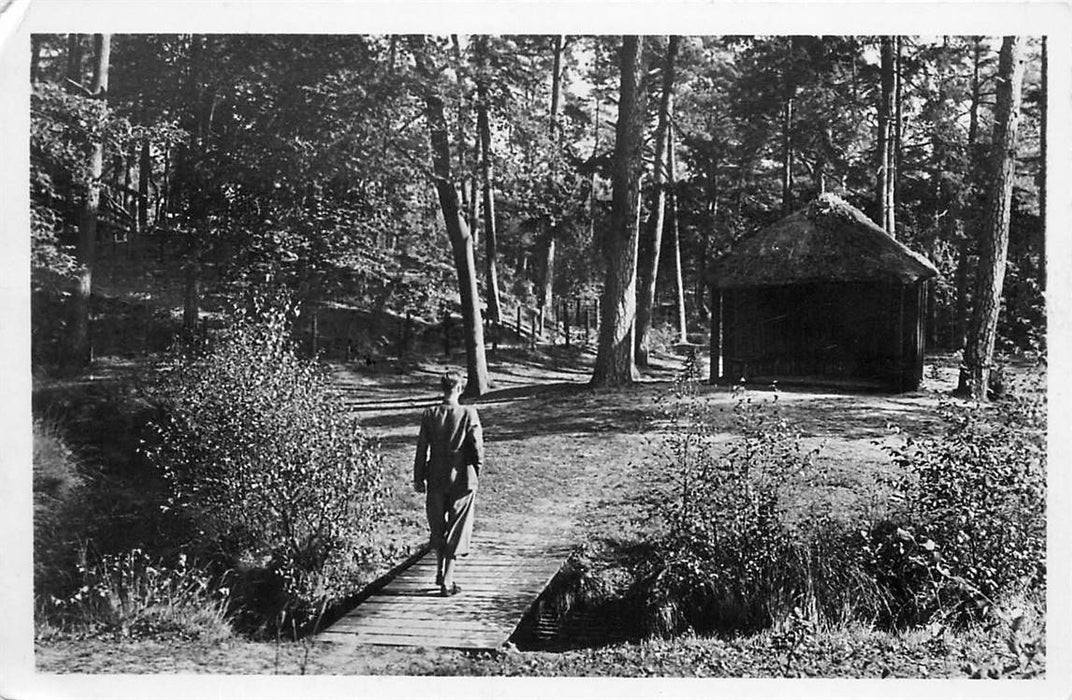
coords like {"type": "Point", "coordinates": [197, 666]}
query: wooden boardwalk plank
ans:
{"type": "Point", "coordinates": [499, 582]}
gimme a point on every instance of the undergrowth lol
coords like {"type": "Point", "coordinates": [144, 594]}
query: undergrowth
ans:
{"type": "Point", "coordinates": [729, 550]}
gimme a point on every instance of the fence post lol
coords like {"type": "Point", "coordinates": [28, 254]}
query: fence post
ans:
{"type": "Point", "coordinates": [532, 328]}
{"type": "Point", "coordinates": [316, 314]}
{"type": "Point", "coordinates": [518, 322]}
{"type": "Point", "coordinates": [586, 326]}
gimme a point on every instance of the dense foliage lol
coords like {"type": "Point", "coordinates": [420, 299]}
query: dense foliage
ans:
{"type": "Point", "coordinates": [284, 485]}
{"type": "Point", "coordinates": [971, 529]}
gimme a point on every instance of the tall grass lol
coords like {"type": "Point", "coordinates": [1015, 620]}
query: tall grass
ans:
{"type": "Point", "coordinates": [131, 595]}
{"type": "Point", "coordinates": [58, 481]}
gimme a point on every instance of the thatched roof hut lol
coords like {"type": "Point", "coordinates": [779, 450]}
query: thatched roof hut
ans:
{"type": "Point", "coordinates": [823, 295]}
{"type": "Point", "coordinates": [829, 240]}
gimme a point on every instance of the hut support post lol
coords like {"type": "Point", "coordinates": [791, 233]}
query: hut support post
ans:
{"type": "Point", "coordinates": [901, 360]}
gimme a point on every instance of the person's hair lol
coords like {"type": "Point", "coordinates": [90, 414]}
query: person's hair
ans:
{"type": "Point", "coordinates": [449, 382]}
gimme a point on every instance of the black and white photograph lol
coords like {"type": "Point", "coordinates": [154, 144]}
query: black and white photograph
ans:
{"type": "Point", "coordinates": [536, 351]}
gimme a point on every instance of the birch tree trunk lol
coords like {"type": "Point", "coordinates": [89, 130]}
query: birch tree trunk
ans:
{"type": "Point", "coordinates": [994, 244]}
{"type": "Point", "coordinates": [649, 274]}
{"type": "Point", "coordinates": [615, 363]}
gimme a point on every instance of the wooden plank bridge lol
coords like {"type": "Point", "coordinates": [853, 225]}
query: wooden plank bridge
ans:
{"type": "Point", "coordinates": [500, 579]}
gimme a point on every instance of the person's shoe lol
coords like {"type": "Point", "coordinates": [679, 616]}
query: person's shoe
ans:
{"type": "Point", "coordinates": [446, 592]}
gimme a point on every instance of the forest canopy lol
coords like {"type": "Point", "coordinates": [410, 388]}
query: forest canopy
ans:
{"type": "Point", "coordinates": [311, 161]}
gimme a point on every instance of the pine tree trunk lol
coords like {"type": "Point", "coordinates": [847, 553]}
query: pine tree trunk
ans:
{"type": "Point", "coordinates": [885, 133]}
{"type": "Point", "coordinates": [968, 221]}
{"type": "Point", "coordinates": [675, 234]}
{"type": "Point", "coordinates": [994, 244]}
{"type": "Point", "coordinates": [201, 118]}
{"type": "Point", "coordinates": [544, 298]}
{"type": "Point", "coordinates": [457, 230]}
{"type": "Point", "coordinates": [895, 146]}
{"type": "Point", "coordinates": [614, 356]}
{"type": "Point", "coordinates": [491, 240]}
{"type": "Point", "coordinates": [648, 274]}
{"type": "Point", "coordinates": [86, 253]}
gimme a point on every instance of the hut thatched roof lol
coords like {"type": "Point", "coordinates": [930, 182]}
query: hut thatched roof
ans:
{"type": "Point", "coordinates": [828, 241]}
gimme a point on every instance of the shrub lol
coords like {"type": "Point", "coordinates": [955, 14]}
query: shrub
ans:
{"type": "Point", "coordinates": [260, 452]}
{"type": "Point", "coordinates": [729, 554]}
{"type": "Point", "coordinates": [973, 512]}
{"type": "Point", "coordinates": [130, 595]}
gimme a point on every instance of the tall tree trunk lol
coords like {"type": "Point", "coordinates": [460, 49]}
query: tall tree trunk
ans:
{"type": "Point", "coordinates": [73, 73]}
{"type": "Point", "coordinates": [648, 273]}
{"type": "Point", "coordinates": [895, 146]}
{"type": "Point", "coordinates": [201, 121]}
{"type": "Point", "coordinates": [474, 196]}
{"type": "Point", "coordinates": [592, 181]}
{"type": "Point", "coordinates": [145, 174]}
{"type": "Point", "coordinates": [130, 202]}
{"type": "Point", "coordinates": [545, 297]}
{"type": "Point", "coordinates": [968, 225]}
{"type": "Point", "coordinates": [614, 356]}
{"type": "Point", "coordinates": [461, 242]}
{"type": "Point", "coordinates": [80, 346]}
{"type": "Point", "coordinates": [1044, 103]}
{"type": "Point", "coordinates": [885, 133]}
{"type": "Point", "coordinates": [994, 244]}
{"type": "Point", "coordinates": [463, 170]}
{"type": "Point", "coordinates": [491, 239]}
{"type": "Point", "coordinates": [705, 240]}
{"type": "Point", "coordinates": [787, 149]}
{"type": "Point", "coordinates": [74, 58]}
{"type": "Point", "coordinates": [675, 235]}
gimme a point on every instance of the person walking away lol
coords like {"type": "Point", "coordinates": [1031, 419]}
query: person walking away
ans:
{"type": "Point", "coordinates": [450, 454]}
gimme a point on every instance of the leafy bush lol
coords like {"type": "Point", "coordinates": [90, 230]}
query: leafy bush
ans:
{"type": "Point", "coordinates": [974, 502]}
{"type": "Point", "coordinates": [129, 595]}
{"type": "Point", "coordinates": [260, 452]}
{"type": "Point", "coordinates": [730, 555]}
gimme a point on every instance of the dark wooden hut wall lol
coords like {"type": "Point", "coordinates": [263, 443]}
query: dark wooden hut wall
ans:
{"type": "Point", "coordinates": [867, 332]}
